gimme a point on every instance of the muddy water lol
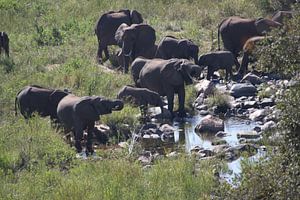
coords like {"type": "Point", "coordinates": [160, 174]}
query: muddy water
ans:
{"type": "Point", "coordinates": [185, 134]}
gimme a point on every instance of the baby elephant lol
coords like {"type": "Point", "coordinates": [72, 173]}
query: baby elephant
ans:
{"type": "Point", "coordinates": [141, 97]}
{"type": "Point", "coordinates": [218, 60]}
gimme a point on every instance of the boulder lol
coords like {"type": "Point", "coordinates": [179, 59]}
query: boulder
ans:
{"type": "Point", "coordinates": [267, 102]}
{"type": "Point", "coordinates": [248, 135]}
{"type": "Point", "coordinates": [206, 87]}
{"type": "Point", "coordinates": [243, 89]}
{"type": "Point", "coordinates": [210, 124]}
{"type": "Point", "coordinates": [258, 115]}
{"type": "Point", "coordinates": [220, 134]}
{"type": "Point", "coordinates": [252, 78]}
{"type": "Point", "coordinates": [268, 126]}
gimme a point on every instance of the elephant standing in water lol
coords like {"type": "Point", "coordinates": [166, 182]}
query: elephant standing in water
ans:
{"type": "Point", "coordinates": [4, 43]}
{"type": "Point", "coordinates": [35, 98]}
{"type": "Point", "coordinates": [235, 31]}
{"type": "Point", "coordinates": [167, 77]}
{"type": "Point", "coordinates": [107, 25]}
{"type": "Point", "coordinates": [80, 113]}
{"type": "Point", "coordinates": [170, 47]}
{"type": "Point", "coordinates": [135, 40]}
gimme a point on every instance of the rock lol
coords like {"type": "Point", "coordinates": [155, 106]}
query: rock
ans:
{"type": "Point", "coordinates": [267, 102]}
{"type": "Point", "coordinates": [210, 124]}
{"type": "Point", "coordinates": [203, 112]}
{"type": "Point", "coordinates": [257, 129]}
{"type": "Point", "coordinates": [218, 142]}
{"type": "Point", "coordinates": [202, 107]}
{"type": "Point", "coordinates": [252, 78]}
{"type": "Point", "coordinates": [173, 154]}
{"type": "Point", "coordinates": [243, 89]}
{"type": "Point", "coordinates": [199, 101]}
{"type": "Point", "coordinates": [220, 148]}
{"type": "Point", "coordinates": [258, 115]}
{"type": "Point", "coordinates": [268, 126]}
{"type": "Point", "coordinates": [146, 158]}
{"type": "Point", "coordinates": [123, 145]}
{"type": "Point", "coordinates": [249, 104]}
{"type": "Point", "coordinates": [167, 129]}
{"type": "Point", "coordinates": [206, 87]}
{"type": "Point", "coordinates": [233, 153]}
{"type": "Point", "coordinates": [220, 134]}
{"type": "Point", "coordinates": [248, 135]}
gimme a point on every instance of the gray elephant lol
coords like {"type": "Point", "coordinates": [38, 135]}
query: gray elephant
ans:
{"type": "Point", "coordinates": [170, 47]}
{"type": "Point", "coordinates": [80, 113]}
{"type": "Point", "coordinates": [135, 40]}
{"type": "Point", "coordinates": [141, 96]}
{"type": "Point", "coordinates": [235, 31]}
{"type": "Point", "coordinates": [167, 77]}
{"type": "Point", "coordinates": [107, 25]}
{"type": "Point", "coordinates": [218, 60]}
{"type": "Point", "coordinates": [4, 43]}
{"type": "Point", "coordinates": [34, 98]}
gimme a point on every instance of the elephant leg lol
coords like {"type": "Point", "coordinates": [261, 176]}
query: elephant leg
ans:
{"type": "Point", "coordinates": [170, 98]}
{"type": "Point", "coordinates": [126, 64]}
{"type": "Point", "coordinates": [78, 133]}
{"type": "Point", "coordinates": [106, 53]}
{"type": "Point", "coordinates": [210, 72]}
{"type": "Point", "coordinates": [101, 47]}
{"type": "Point", "coordinates": [181, 99]}
{"type": "Point", "coordinates": [89, 142]}
{"type": "Point", "coordinates": [244, 66]}
{"type": "Point", "coordinates": [7, 50]}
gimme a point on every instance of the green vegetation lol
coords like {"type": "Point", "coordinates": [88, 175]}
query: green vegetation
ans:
{"type": "Point", "coordinates": [53, 44]}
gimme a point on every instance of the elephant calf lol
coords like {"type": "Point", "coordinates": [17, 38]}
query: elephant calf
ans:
{"type": "Point", "coordinates": [171, 47]}
{"type": "Point", "coordinates": [141, 96]}
{"type": "Point", "coordinates": [80, 113]}
{"type": "Point", "coordinates": [4, 43]}
{"type": "Point", "coordinates": [38, 99]}
{"type": "Point", "coordinates": [218, 60]}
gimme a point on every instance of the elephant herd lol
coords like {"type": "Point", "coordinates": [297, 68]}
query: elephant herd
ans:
{"type": "Point", "coordinates": [157, 70]}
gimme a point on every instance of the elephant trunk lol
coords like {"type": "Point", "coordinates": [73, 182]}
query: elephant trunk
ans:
{"type": "Point", "coordinates": [117, 105]}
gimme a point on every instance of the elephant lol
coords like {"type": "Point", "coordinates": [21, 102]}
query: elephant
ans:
{"type": "Point", "coordinates": [280, 16]}
{"type": "Point", "coordinates": [107, 25]}
{"type": "Point", "coordinates": [135, 40]}
{"type": "Point", "coordinates": [141, 96]}
{"type": "Point", "coordinates": [170, 47]}
{"type": "Point", "coordinates": [34, 98]}
{"type": "Point", "coordinates": [4, 43]}
{"type": "Point", "coordinates": [79, 113]}
{"type": "Point", "coordinates": [248, 48]}
{"type": "Point", "coordinates": [235, 31]}
{"type": "Point", "coordinates": [218, 60]}
{"type": "Point", "coordinates": [167, 77]}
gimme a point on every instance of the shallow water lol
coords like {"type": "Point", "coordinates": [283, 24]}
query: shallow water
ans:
{"type": "Point", "coordinates": [185, 134]}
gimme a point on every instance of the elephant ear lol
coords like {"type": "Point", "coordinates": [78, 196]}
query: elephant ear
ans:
{"type": "Point", "coordinates": [183, 46]}
{"type": "Point", "coordinates": [86, 108]}
{"type": "Point", "coordinates": [184, 70]}
{"type": "Point", "coordinates": [136, 17]}
{"type": "Point", "coordinates": [56, 96]}
{"type": "Point", "coordinates": [119, 34]}
{"type": "Point", "coordinates": [176, 73]}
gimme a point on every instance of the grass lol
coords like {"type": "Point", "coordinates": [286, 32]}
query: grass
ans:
{"type": "Point", "coordinates": [53, 44]}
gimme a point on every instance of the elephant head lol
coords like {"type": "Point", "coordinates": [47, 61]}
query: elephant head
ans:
{"type": "Point", "coordinates": [264, 25]}
{"type": "Point", "coordinates": [187, 70]}
{"type": "Point", "coordinates": [136, 17]}
{"type": "Point", "coordinates": [189, 49]}
{"type": "Point", "coordinates": [97, 105]}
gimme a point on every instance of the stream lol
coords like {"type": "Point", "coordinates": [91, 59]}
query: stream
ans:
{"type": "Point", "coordinates": [185, 134]}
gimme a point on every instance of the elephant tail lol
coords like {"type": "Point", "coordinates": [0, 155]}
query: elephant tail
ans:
{"type": "Point", "coordinates": [16, 106]}
{"type": "Point", "coordinates": [219, 33]}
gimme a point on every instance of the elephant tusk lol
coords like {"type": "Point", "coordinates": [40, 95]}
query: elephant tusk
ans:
{"type": "Point", "coordinates": [129, 54]}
